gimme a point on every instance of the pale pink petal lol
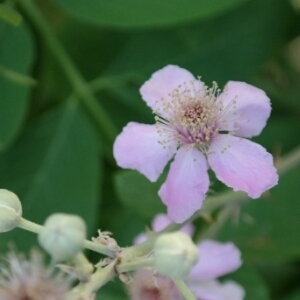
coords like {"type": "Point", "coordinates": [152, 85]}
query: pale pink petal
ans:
{"type": "Point", "coordinates": [186, 184]}
{"type": "Point", "coordinates": [242, 165]}
{"type": "Point", "coordinates": [137, 147]}
{"type": "Point", "coordinates": [163, 82]}
{"type": "Point", "coordinates": [247, 108]}
{"type": "Point", "coordinates": [215, 259]}
{"type": "Point", "coordinates": [161, 221]}
{"type": "Point", "coordinates": [215, 290]}
{"type": "Point", "coordinates": [141, 238]}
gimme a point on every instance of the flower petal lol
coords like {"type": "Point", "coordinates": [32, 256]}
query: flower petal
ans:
{"type": "Point", "coordinates": [163, 82]}
{"type": "Point", "coordinates": [141, 238]}
{"type": "Point", "coordinates": [215, 290]}
{"type": "Point", "coordinates": [186, 184]}
{"type": "Point", "coordinates": [216, 259]}
{"type": "Point", "coordinates": [137, 147]}
{"type": "Point", "coordinates": [242, 165]}
{"type": "Point", "coordinates": [248, 108]}
{"type": "Point", "coordinates": [161, 221]}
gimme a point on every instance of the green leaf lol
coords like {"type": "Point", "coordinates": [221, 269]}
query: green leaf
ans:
{"type": "Point", "coordinates": [220, 49]}
{"type": "Point", "coordinates": [113, 290]}
{"type": "Point", "coordinates": [138, 193]}
{"type": "Point", "coordinates": [10, 15]}
{"type": "Point", "coordinates": [53, 167]}
{"type": "Point", "coordinates": [144, 13]}
{"type": "Point", "coordinates": [16, 54]}
{"type": "Point", "coordinates": [268, 228]}
{"type": "Point", "coordinates": [279, 134]}
{"type": "Point", "coordinates": [293, 296]}
{"type": "Point", "coordinates": [279, 277]}
{"type": "Point", "coordinates": [252, 282]}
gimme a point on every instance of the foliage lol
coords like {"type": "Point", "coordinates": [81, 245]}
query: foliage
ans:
{"type": "Point", "coordinates": [55, 111]}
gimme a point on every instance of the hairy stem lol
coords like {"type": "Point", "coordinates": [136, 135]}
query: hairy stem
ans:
{"type": "Point", "coordinates": [97, 280]}
{"type": "Point", "coordinates": [97, 247]}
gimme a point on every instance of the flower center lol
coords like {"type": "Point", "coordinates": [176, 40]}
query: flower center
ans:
{"type": "Point", "coordinates": [190, 115]}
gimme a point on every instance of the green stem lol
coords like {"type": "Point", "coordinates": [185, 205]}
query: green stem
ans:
{"type": "Point", "coordinates": [185, 291]}
{"type": "Point", "coordinates": [97, 280]}
{"type": "Point", "coordinates": [214, 228]}
{"type": "Point", "coordinates": [130, 253]}
{"type": "Point", "coordinates": [289, 161]}
{"type": "Point", "coordinates": [16, 77]}
{"type": "Point", "coordinates": [36, 228]}
{"type": "Point", "coordinates": [88, 100]}
{"type": "Point", "coordinates": [143, 262]}
{"type": "Point", "coordinates": [99, 248]}
{"type": "Point", "coordinates": [30, 226]}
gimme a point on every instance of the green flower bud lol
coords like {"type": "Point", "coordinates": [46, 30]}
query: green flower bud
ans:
{"type": "Point", "coordinates": [10, 210]}
{"type": "Point", "coordinates": [174, 255]}
{"type": "Point", "coordinates": [63, 236]}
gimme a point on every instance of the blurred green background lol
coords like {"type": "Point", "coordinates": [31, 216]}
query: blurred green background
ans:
{"type": "Point", "coordinates": [61, 106]}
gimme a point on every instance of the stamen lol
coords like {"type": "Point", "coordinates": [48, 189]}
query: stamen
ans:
{"type": "Point", "coordinates": [192, 116]}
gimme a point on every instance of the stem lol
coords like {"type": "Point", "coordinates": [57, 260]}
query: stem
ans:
{"type": "Point", "coordinates": [289, 161]}
{"type": "Point", "coordinates": [99, 248]}
{"type": "Point", "coordinates": [135, 264]}
{"type": "Point", "coordinates": [129, 253]}
{"type": "Point", "coordinates": [185, 291]}
{"type": "Point", "coordinates": [36, 228]}
{"type": "Point", "coordinates": [82, 262]}
{"type": "Point", "coordinates": [97, 280]}
{"type": "Point", "coordinates": [16, 77]}
{"type": "Point", "coordinates": [217, 225]}
{"type": "Point", "coordinates": [30, 226]}
{"type": "Point", "coordinates": [88, 100]}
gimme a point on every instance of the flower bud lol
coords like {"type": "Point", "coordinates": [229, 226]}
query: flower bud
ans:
{"type": "Point", "coordinates": [174, 255]}
{"type": "Point", "coordinates": [63, 236]}
{"type": "Point", "coordinates": [10, 210]}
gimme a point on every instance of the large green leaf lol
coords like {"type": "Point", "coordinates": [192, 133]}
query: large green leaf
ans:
{"type": "Point", "coordinates": [293, 296]}
{"type": "Point", "coordinates": [138, 193]}
{"type": "Point", "coordinates": [230, 47]}
{"type": "Point", "coordinates": [137, 13]}
{"type": "Point", "coordinates": [53, 167]}
{"type": "Point", "coordinates": [16, 55]}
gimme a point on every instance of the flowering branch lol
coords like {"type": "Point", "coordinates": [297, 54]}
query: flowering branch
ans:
{"type": "Point", "coordinates": [97, 247]}
{"type": "Point", "coordinates": [87, 290]}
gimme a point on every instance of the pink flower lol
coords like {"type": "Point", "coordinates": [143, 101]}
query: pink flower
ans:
{"type": "Point", "coordinates": [215, 260]}
{"type": "Point", "coordinates": [202, 129]}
